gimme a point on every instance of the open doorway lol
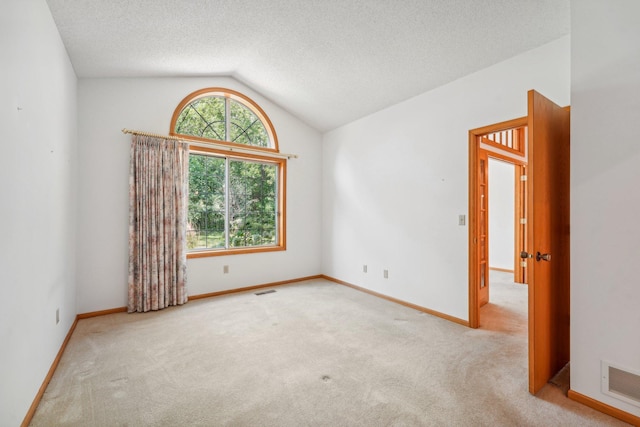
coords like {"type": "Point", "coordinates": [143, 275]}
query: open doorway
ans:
{"type": "Point", "coordinates": [544, 152]}
{"type": "Point", "coordinates": [506, 308]}
{"type": "Point", "coordinates": [502, 221]}
{"type": "Point", "coordinates": [505, 143]}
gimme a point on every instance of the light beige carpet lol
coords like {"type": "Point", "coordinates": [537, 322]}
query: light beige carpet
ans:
{"type": "Point", "coordinates": [310, 354]}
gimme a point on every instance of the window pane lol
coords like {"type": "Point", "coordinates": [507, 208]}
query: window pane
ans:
{"type": "Point", "coordinates": [252, 204]}
{"type": "Point", "coordinates": [246, 127]}
{"type": "Point", "coordinates": [204, 117]}
{"type": "Point", "coordinates": [205, 228]}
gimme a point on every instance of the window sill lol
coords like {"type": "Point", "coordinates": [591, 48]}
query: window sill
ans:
{"type": "Point", "coordinates": [237, 251]}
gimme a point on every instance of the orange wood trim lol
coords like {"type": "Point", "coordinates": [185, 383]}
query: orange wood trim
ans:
{"type": "Point", "coordinates": [604, 408]}
{"type": "Point", "coordinates": [252, 288]}
{"type": "Point", "coordinates": [282, 206]}
{"type": "Point", "coordinates": [500, 156]}
{"type": "Point", "coordinates": [236, 96]}
{"type": "Point", "coordinates": [237, 154]}
{"type": "Point", "coordinates": [474, 154]}
{"type": "Point", "coordinates": [531, 271]}
{"type": "Point", "coordinates": [497, 127]}
{"type": "Point", "coordinates": [518, 141]}
{"type": "Point", "coordinates": [502, 147]}
{"type": "Point", "coordinates": [483, 229]}
{"type": "Point", "coordinates": [224, 252]}
{"type": "Point", "coordinates": [505, 270]}
{"type": "Point", "coordinates": [36, 401]}
{"type": "Point", "coordinates": [281, 244]}
{"type": "Point", "coordinates": [195, 297]}
{"type": "Point", "coordinates": [102, 312]}
{"type": "Point", "coordinates": [231, 145]}
{"type": "Point", "coordinates": [397, 301]}
{"type": "Point", "coordinates": [520, 232]}
{"type": "Point", "coordinates": [474, 312]}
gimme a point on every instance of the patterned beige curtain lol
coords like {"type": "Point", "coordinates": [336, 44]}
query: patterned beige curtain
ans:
{"type": "Point", "coordinates": [157, 216]}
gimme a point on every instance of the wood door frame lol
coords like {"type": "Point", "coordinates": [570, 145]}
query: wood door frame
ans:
{"type": "Point", "coordinates": [474, 150]}
{"type": "Point", "coordinates": [520, 211]}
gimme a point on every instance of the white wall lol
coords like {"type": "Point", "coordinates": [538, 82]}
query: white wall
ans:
{"type": "Point", "coordinates": [147, 104]}
{"type": "Point", "coordinates": [605, 194]}
{"type": "Point", "coordinates": [501, 214]}
{"type": "Point", "coordinates": [37, 213]}
{"type": "Point", "coordinates": [395, 182]}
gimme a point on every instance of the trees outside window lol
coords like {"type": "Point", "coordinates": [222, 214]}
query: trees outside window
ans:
{"type": "Point", "coordinates": [236, 199]}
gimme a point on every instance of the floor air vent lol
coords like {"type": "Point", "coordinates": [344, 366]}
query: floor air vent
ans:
{"type": "Point", "coordinates": [620, 383]}
{"type": "Point", "coordinates": [270, 291]}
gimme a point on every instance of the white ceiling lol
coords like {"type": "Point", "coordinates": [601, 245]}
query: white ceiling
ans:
{"type": "Point", "coordinates": [328, 62]}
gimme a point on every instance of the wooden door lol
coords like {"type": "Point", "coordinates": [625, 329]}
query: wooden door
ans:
{"type": "Point", "coordinates": [548, 239]}
{"type": "Point", "coordinates": [483, 228]}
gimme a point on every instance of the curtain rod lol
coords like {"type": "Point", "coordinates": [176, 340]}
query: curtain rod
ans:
{"type": "Point", "coordinates": [212, 144]}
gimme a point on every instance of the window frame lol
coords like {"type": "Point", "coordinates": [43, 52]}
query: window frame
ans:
{"type": "Point", "coordinates": [238, 97]}
{"type": "Point", "coordinates": [201, 148]}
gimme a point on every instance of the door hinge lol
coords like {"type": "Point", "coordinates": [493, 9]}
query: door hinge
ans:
{"type": "Point", "coordinates": [523, 177]}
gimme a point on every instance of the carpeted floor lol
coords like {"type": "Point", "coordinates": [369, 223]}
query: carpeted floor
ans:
{"type": "Point", "coordinates": [310, 354]}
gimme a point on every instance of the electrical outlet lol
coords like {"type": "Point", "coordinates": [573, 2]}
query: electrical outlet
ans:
{"type": "Point", "coordinates": [57, 316]}
{"type": "Point", "coordinates": [225, 269]}
{"type": "Point", "coordinates": [364, 268]}
{"type": "Point", "coordinates": [386, 274]}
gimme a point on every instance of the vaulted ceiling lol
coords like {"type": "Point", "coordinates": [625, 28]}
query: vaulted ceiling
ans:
{"type": "Point", "coordinates": [328, 62]}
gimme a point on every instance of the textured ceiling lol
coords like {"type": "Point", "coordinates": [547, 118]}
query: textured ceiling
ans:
{"type": "Point", "coordinates": [328, 62]}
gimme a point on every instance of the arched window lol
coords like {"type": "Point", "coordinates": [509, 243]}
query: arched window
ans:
{"type": "Point", "coordinates": [236, 181]}
{"type": "Point", "coordinates": [226, 116]}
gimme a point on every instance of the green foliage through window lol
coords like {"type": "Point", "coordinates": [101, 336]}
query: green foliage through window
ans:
{"type": "Point", "coordinates": [242, 214]}
{"type": "Point", "coordinates": [207, 118]}
{"type": "Point", "coordinates": [235, 196]}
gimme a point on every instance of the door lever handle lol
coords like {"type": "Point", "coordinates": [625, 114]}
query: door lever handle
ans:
{"type": "Point", "coordinates": [525, 255]}
{"type": "Point", "coordinates": [544, 257]}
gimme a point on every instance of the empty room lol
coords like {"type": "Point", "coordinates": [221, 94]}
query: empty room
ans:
{"type": "Point", "coordinates": [277, 213]}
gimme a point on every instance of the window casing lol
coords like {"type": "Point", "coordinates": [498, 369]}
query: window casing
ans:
{"type": "Point", "coordinates": [236, 198]}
